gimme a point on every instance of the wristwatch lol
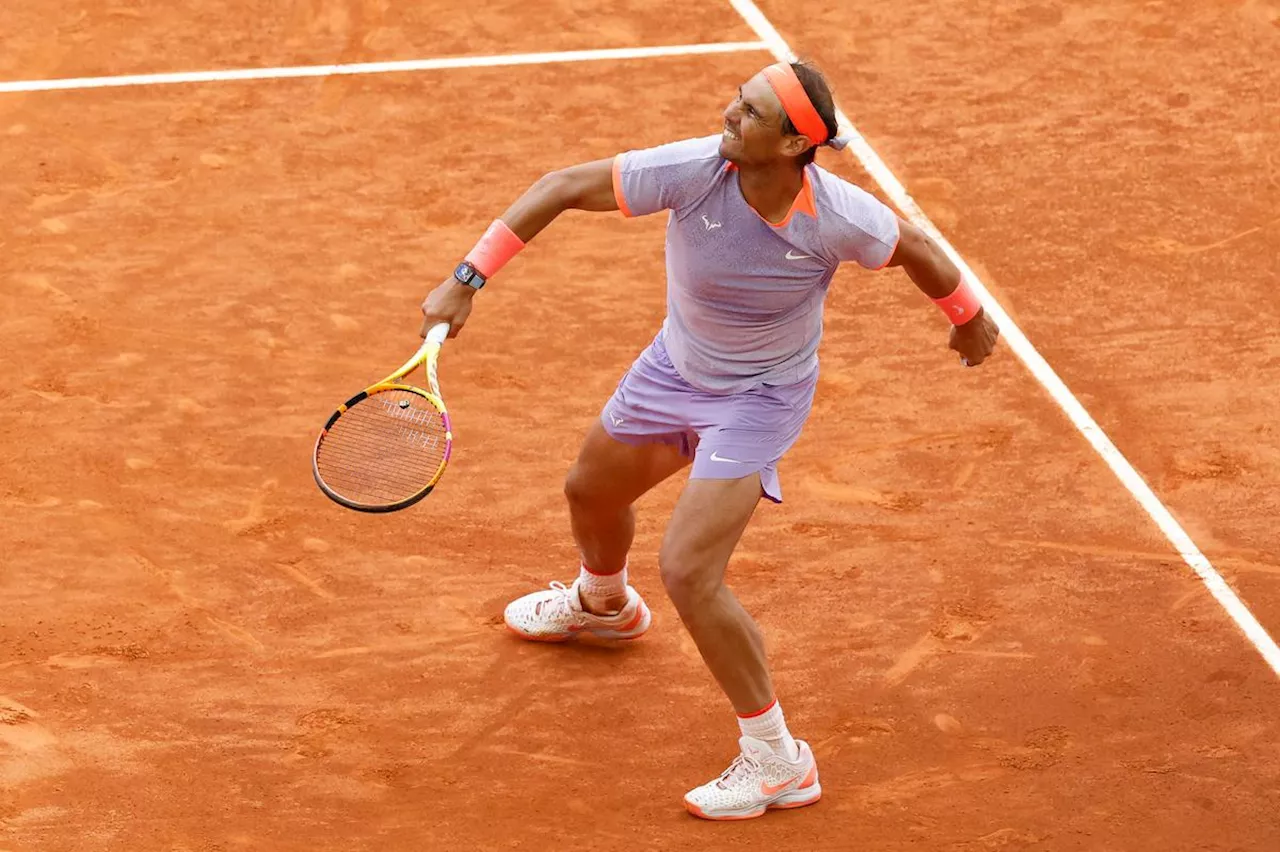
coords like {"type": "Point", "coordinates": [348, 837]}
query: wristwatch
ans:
{"type": "Point", "coordinates": [469, 275]}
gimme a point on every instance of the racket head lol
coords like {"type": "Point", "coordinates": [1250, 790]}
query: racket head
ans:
{"type": "Point", "coordinates": [384, 449]}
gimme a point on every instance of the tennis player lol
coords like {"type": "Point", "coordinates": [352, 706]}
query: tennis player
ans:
{"type": "Point", "coordinates": [755, 232]}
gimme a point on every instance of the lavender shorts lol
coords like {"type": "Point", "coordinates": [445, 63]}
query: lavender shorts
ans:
{"type": "Point", "coordinates": [727, 435]}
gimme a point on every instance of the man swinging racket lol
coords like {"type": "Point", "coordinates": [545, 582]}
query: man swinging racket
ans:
{"type": "Point", "coordinates": [755, 233]}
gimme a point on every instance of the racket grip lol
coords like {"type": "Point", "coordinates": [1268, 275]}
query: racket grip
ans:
{"type": "Point", "coordinates": [438, 333]}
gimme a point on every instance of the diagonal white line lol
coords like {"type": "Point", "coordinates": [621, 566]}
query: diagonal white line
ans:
{"type": "Point", "coordinates": [1039, 367]}
{"type": "Point", "coordinates": [381, 67]}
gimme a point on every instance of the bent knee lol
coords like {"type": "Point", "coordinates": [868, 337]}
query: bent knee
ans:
{"type": "Point", "coordinates": [686, 578]}
{"type": "Point", "coordinates": [587, 489]}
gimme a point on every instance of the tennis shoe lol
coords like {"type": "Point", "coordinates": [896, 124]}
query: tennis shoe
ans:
{"type": "Point", "coordinates": [757, 780]}
{"type": "Point", "coordinates": [556, 615]}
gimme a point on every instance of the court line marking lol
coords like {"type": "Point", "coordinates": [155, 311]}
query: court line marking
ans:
{"type": "Point", "coordinates": [1038, 366]}
{"type": "Point", "coordinates": [381, 67]}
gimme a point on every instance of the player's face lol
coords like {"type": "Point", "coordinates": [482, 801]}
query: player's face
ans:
{"type": "Point", "coordinates": [752, 124]}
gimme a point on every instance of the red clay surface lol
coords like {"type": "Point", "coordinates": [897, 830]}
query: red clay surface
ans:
{"type": "Point", "coordinates": [69, 38]}
{"type": "Point", "coordinates": [985, 640]}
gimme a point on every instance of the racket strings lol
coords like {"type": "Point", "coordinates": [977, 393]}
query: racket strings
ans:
{"type": "Point", "coordinates": [384, 449]}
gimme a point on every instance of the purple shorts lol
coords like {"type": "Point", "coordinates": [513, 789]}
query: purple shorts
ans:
{"type": "Point", "coordinates": [728, 435]}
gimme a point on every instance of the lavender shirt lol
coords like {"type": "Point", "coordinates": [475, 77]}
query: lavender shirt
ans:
{"type": "Point", "coordinates": [744, 296]}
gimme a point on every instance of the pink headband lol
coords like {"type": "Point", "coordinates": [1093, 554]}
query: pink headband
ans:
{"type": "Point", "coordinates": [782, 77]}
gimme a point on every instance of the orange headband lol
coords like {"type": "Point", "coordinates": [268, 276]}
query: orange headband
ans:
{"type": "Point", "coordinates": [796, 103]}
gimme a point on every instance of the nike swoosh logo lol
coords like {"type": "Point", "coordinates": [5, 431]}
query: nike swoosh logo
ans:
{"type": "Point", "coordinates": [791, 256]}
{"type": "Point", "coordinates": [717, 457]}
{"type": "Point", "coordinates": [772, 790]}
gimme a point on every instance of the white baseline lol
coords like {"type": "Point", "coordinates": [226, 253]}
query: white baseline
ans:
{"type": "Point", "coordinates": [381, 67]}
{"type": "Point", "coordinates": [1039, 367]}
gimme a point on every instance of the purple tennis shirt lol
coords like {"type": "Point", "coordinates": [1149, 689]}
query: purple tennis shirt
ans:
{"type": "Point", "coordinates": [745, 296]}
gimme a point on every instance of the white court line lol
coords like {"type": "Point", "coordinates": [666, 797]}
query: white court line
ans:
{"type": "Point", "coordinates": [381, 67]}
{"type": "Point", "coordinates": [1039, 368]}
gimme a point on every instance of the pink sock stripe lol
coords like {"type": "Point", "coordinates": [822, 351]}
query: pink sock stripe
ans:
{"type": "Point", "coordinates": [498, 245]}
{"type": "Point", "coordinates": [598, 574]}
{"type": "Point", "coordinates": [772, 704]}
{"type": "Point", "coordinates": [961, 306]}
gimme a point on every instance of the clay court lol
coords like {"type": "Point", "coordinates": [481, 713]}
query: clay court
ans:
{"type": "Point", "coordinates": [987, 640]}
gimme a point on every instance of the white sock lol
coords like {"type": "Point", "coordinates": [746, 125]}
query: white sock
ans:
{"type": "Point", "coordinates": [601, 586]}
{"type": "Point", "coordinates": [768, 725]}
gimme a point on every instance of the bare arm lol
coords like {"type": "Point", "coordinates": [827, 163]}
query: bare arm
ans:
{"type": "Point", "coordinates": [588, 186]}
{"type": "Point", "coordinates": [925, 264]}
{"type": "Point", "coordinates": [932, 271]}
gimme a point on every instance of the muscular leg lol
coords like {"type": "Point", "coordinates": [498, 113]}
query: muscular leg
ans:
{"type": "Point", "coordinates": [607, 478]}
{"type": "Point", "coordinates": [709, 519]}
{"type": "Point", "coordinates": [780, 771]}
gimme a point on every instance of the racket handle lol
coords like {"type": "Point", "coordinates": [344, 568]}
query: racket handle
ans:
{"type": "Point", "coordinates": [438, 333]}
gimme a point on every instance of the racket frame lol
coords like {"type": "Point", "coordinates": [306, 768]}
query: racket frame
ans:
{"type": "Point", "coordinates": [428, 354]}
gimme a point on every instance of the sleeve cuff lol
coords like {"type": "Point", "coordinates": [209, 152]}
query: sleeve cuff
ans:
{"type": "Point", "coordinates": [618, 195]}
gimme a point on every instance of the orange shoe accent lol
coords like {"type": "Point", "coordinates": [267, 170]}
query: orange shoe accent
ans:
{"type": "Point", "coordinates": [701, 814]}
{"type": "Point", "coordinates": [786, 806]}
{"type": "Point", "coordinates": [574, 631]}
{"type": "Point", "coordinates": [635, 622]}
{"type": "Point", "coordinates": [773, 790]}
{"type": "Point", "coordinates": [809, 779]}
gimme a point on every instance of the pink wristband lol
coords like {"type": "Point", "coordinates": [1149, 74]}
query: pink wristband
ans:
{"type": "Point", "coordinates": [961, 306]}
{"type": "Point", "coordinates": [498, 245]}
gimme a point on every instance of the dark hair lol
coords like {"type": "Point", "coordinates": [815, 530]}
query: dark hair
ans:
{"type": "Point", "coordinates": [815, 86]}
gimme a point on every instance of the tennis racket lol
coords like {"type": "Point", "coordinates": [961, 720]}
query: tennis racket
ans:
{"type": "Point", "coordinates": [387, 447]}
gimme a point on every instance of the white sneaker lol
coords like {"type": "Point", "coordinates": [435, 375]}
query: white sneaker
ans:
{"type": "Point", "coordinates": [556, 614]}
{"type": "Point", "coordinates": [758, 779]}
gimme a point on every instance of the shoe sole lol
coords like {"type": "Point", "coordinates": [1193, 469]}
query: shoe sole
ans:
{"type": "Point", "coordinates": [644, 616]}
{"type": "Point", "coordinates": [567, 637]}
{"type": "Point", "coordinates": [780, 805]}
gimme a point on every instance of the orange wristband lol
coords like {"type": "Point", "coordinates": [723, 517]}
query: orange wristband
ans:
{"type": "Point", "coordinates": [498, 245]}
{"type": "Point", "coordinates": [961, 306]}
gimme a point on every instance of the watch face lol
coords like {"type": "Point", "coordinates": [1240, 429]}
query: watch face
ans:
{"type": "Point", "coordinates": [464, 273]}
